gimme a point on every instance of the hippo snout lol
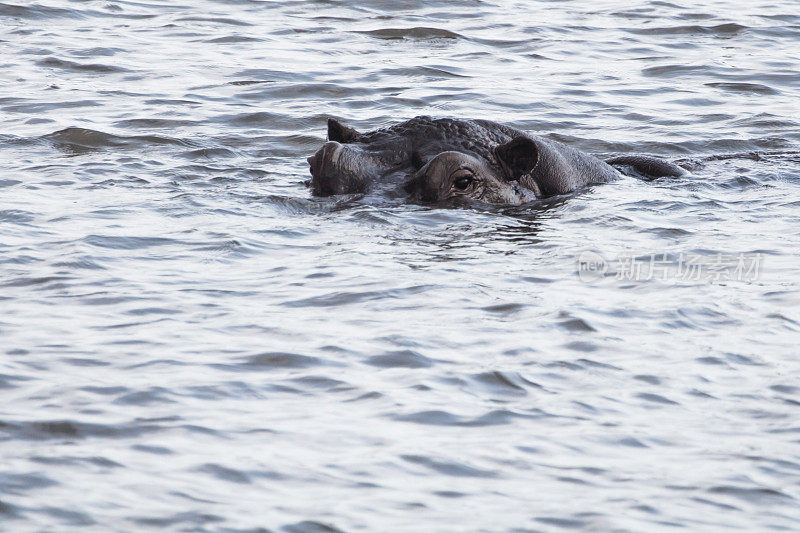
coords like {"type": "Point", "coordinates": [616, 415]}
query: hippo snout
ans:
{"type": "Point", "coordinates": [341, 169]}
{"type": "Point", "coordinates": [326, 176]}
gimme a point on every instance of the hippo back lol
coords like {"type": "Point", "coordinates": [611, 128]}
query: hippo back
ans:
{"type": "Point", "coordinates": [425, 137]}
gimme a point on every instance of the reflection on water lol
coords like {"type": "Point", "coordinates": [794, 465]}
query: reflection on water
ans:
{"type": "Point", "coordinates": [193, 342]}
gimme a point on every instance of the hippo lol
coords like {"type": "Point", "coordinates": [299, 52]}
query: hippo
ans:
{"type": "Point", "coordinates": [437, 161]}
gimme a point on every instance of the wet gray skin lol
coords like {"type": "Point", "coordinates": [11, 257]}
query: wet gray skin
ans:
{"type": "Point", "coordinates": [347, 163]}
{"type": "Point", "coordinates": [340, 169]}
{"type": "Point", "coordinates": [456, 176]}
{"type": "Point", "coordinates": [526, 168]}
{"type": "Point", "coordinates": [507, 161]}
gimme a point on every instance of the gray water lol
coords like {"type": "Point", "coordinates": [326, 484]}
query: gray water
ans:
{"type": "Point", "coordinates": [191, 342]}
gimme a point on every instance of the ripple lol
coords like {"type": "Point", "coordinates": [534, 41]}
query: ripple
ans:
{"type": "Point", "coordinates": [311, 526]}
{"type": "Point", "coordinates": [8, 381]}
{"type": "Point", "coordinates": [67, 429]}
{"type": "Point", "coordinates": [196, 519]}
{"type": "Point", "coordinates": [563, 523]}
{"type": "Point", "coordinates": [128, 243]}
{"type": "Point", "coordinates": [39, 107]}
{"type": "Point", "coordinates": [503, 383]}
{"type": "Point", "coordinates": [758, 496]}
{"type": "Point", "coordinates": [9, 511]}
{"type": "Point", "coordinates": [444, 418]}
{"type": "Point", "coordinates": [20, 483]}
{"type": "Point", "coordinates": [16, 216]}
{"type": "Point", "coordinates": [80, 67]}
{"type": "Point", "coordinates": [208, 153]}
{"type": "Point", "coordinates": [449, 468]}
{"type": "Point", "coordinates": [81, 140]}
{"type": "Point", "coordinates": [741, 87]}
{"type": "Point", "coordinates": [278, 360]}
{"type": "Point", "coordinates": [225, 474]}
{"type": "Point", "coordinates": [218, 20]}
{"type": "Point", "coordinates": [670, 71]}
{"type": "Point", "coordinates": [341, 298]}
{"type": "Point", "coordinates": [156, 450]}
{"type": "Point", "coordinates": [432, 73]}
{"type": "Point", "coordinates": [233, 39]}
{"type": "Point", "coordinates": [37, 11]}
{"type": "Point", "coordinates": [154, 123]}
{"type": "Point", "coordinates": [720, 30]}
{"type": "Point", "coordinates": [307, 90]}
{"type": "Point", "coordinates": [576, 324]}
{"type": "Point", "coordinates": [151, 396]}
{"type": "Point", "coordinates": [27, 281]}
{"type": "Point", "coordinates": [322, 383]}
{"type": "Point", "coordinates": [505, 309]}
{"type": "Point", "coordinates": [400, 359]}
{"type": "Point", "coordinates": [655, 398]}
{"type": "Point", "coordinates": [260, 118]}
{"type": "Point", "coordinates": [419, 32]}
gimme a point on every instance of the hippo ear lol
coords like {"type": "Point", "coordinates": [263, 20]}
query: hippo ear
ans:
{"type": "Point", "coordinates": [340, 133]}
{"type": "Point", "coordinates": [518, 157]}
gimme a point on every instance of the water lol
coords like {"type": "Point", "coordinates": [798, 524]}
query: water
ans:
{"type": "Point", "coordinates": [191, 342]}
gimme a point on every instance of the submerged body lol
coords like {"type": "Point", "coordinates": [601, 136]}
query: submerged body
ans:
{"type": "Point", "coordinates": [435, 160]}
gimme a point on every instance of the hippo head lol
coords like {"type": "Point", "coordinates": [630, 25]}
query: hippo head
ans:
{"type": "Point", "coordinates": [458, 176]}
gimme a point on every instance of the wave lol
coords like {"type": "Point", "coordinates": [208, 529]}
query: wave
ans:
{"type": "Point", "coordinates": [420, 32]}
{"type": "Point", "coordinates": [84, 139]}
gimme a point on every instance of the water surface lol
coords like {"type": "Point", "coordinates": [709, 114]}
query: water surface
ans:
{"type": "Point", "coordinates": [191, 342]}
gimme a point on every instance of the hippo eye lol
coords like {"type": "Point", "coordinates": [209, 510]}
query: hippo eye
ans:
{"type": "Point", "coordinates": [462, 179]}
